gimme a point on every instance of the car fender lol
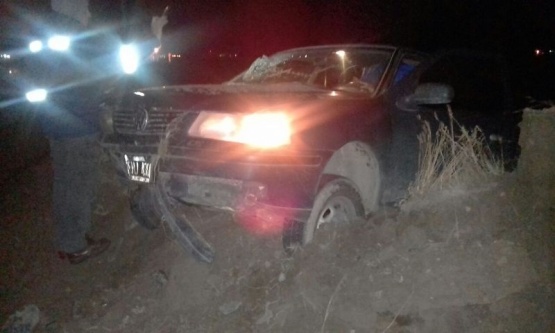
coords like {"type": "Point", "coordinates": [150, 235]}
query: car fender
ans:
{"type": "Point", "coordinates": [357, 162]}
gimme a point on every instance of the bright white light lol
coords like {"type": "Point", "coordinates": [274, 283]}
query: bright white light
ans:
{"type": "Point", "coordinates": [265, 130]}
{"type": "Point", "coordinates": [35, 46]}
{"type": "Point", "coordinates": [59, 43]}
{"type": "Point", "coordinates": [341, 53]}
{"type": "Point", "coordinates": [139, 93]}
{"type": "Point", "coordinates": [129, 58]}
{"type": "Point", "coordinates": [36, 96]}
{"type": "Point", "coordinates": [261, 130]}
{"type": "Point", "coordinates": [218, 126]}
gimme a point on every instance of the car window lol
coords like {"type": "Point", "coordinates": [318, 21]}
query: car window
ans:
{"type": "Point", "coordinates": [402, 70]}
{"type": "Point", "coordinates": [477, 81]}
{"type": "Point", "coordinates": [330, 68]}
{"type": "Point", "coordinates": [406, 66]}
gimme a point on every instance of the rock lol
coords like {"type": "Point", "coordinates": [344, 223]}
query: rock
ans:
{"type": "Point", "coordinates": [77, 310]}
{"type": "Point", "coordinates": [138, 310]}
{"type": "Point", "coordinates": [22, 321]}
{"type": "Point", "coordinates": [502, 261]}
{"type": "Point", "coordinates": [161, 278]}
{"type": "Point", "coordinates": [536, 165]}
{"type": "Point", "coordinates": [266, 317]}
{"type": "Point", "coordinates": [100, 209]}
{"type": "Point", "coordinates": [230, 307]}
{"type": "Point", "coordinates": [53, 327]}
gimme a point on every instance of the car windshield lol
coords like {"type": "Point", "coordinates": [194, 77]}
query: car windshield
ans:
{"type": "Point", "coordinates": [332, 68]}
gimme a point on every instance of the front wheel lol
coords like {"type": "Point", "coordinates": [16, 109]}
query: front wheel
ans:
{"type": "Point", "coordinates": [336, 205]}
{"type": "Point", "coordinates": [144, 208]}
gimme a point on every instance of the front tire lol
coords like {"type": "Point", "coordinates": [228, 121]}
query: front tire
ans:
{"type": "Point", "coordinates": [144, 208]}
{"type": "Point", "coordinates": [336, 205]}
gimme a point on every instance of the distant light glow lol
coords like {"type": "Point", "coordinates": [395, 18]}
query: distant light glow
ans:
{"type": "Point", "coordinates": [59, 43]}
{"type": "Point", "coordinates": [37, 95]}
{"type": "Point", "coordinates": [139, 93]}
{"type": "Point", "coordinates": [35, 46]}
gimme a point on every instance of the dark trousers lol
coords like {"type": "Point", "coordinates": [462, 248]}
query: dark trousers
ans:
{"type": "Point", "coordinates": [76, 176]}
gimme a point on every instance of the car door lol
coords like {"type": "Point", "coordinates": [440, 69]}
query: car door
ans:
{"type": "Point", "coordinates": [401, 162]}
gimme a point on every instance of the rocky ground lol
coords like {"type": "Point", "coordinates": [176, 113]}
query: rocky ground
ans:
{"type": "Point", "coordinates": [478, 259]}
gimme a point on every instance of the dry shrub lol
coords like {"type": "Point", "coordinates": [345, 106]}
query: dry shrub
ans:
{"type": "Point", "coordinates": [448, 160]}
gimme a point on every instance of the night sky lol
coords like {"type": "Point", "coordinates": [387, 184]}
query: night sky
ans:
{"type": "Point", "coordinates": [262, 26]}
{"type": "Point", "coordinates": [268, 26]}
{"type": "Point", "coordinates": [251, 28]}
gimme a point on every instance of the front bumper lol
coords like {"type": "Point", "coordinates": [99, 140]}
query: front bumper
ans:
{"type": "Point", "coordinates": [262, 179]}
{"type": "Point", "coordinates": [247, 199]}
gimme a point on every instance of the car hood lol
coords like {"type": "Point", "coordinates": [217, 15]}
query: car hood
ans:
{"type": "Point", "coordinates": [235, 97]}
{"type": "Point", "coordinates": [237, 88]}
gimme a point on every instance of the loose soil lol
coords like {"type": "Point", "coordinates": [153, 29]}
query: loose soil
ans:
{"type": "Point", "coordinates": [463, 260]}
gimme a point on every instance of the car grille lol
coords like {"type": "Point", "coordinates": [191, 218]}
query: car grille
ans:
{"type": "Point", "coordinates": [143, 121]}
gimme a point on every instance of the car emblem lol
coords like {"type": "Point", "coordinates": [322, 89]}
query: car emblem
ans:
{"type": "Point", "coordinates": [141, 118]}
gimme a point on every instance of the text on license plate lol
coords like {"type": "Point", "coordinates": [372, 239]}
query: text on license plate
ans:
{"type": "Point", "coordinates": [139, 168]}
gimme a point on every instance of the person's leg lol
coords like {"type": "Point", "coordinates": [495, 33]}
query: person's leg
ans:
{"type": "Point", "coordinates": [75, 181]}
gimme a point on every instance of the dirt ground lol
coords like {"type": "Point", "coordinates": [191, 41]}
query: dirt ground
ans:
{"type": "Point", "coordinates": [463, 260]}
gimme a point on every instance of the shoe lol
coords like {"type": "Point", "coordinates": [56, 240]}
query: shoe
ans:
{"type": "Point", "coordinates": [94, 248]}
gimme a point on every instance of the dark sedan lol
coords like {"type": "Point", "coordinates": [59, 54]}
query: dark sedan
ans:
{"type": "Point", "coordinates": [302, 139]}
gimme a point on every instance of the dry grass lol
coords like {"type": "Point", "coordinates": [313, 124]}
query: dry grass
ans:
{"type": "Point", "coordinates": [449, 160]}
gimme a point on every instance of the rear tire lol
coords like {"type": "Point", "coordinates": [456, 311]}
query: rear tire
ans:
{"type": "Point", "coordinates": [144, 208]}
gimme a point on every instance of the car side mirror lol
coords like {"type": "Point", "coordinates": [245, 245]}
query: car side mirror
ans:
{"type": "Point", "coordinates": [426, 94]}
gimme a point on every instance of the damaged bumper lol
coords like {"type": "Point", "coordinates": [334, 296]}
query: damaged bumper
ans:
{"type": "Point", "coordinates": [241, 184]}
{"type": "Point", "coordinates": [244, 198]}
{"type": "Point", "coordinates": [183, 230]}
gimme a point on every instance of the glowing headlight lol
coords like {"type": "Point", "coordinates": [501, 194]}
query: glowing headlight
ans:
{"type": "Point", "coordinates": [36, 96]}
{"type": "Point", "coordinates": [261, 130]}
{"type": "Point", "coordinates": [59, 43]}
{"type": "Point", "coordinates": [129, 58]}
{"type": "Point", "coordinates": [35, 46]}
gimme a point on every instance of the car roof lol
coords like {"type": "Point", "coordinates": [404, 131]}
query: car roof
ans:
{"type": "Point", "coordinates": [384, 47]}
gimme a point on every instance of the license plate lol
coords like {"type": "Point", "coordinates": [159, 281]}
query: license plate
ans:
{"type": "Point", "coordinates": [139, 168]}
